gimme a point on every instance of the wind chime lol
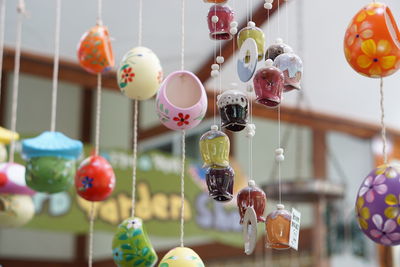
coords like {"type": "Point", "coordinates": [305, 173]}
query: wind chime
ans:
{"type": "Point", "coordinates": [139, 77]}
{"type": "Point", "coordinates": [15, 196]}
{"type": "Point", "coordinates": [372, 48]}
{"type": "Point", "coordinates": [95, 178]}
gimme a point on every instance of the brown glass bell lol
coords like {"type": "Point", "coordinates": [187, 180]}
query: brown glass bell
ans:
{"type": "Point", "coordinates": [277, 228]}
{"type": "Point", "coordinates": [252, 196]}
{"type": "Point", "coordinates": [233, 108]}
{"type": "Point", "coordinates": [220, 183]}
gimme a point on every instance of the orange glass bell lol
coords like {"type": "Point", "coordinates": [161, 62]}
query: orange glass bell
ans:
{"type": "Point", "coordinates": [95, 53]}
{"type": "Point", "coordinates": [277, 228]}
{"type": "Point", "coordinates": [372, 42]}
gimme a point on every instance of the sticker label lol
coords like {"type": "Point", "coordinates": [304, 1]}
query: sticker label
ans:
{"type": "Point", "coordinates": [294, 229]}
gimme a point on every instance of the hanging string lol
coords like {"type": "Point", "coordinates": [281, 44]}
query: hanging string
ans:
{"type": "Point", "coordinates": [98, 113]}
{"type": "Point", "coordinates": [91, 234]}
{"type": "Point", "coordinates": [251, 10]}
{"type": "Point", "coordinates": [279, 18]}
{"type": "Point", "coordinates": [55, 68]}
{"type": "Point", "coordinates": [287, 20]}
{"type": "Point", "coordinates": [183, 36]}
{"type": "Point", "coordinates": [134, 164]}
{"type": "Point", "coordinates": [140, 32]}
{"type": "Point", "coordinates": [383, 133]}
{"type": "Point", "coordinates": [279, 162]}
{"type": "Point", "coordinates": [99, 20]}
{"type": "Point", "coordinates": [2, 26]}
{"type": "Point", "coordinates": [21, 14]}
{"type": "Point", "coordinates": [220, 80]}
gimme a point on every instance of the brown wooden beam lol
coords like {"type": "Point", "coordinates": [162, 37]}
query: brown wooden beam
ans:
{"type": "Point", "coordinates": [86, 115]}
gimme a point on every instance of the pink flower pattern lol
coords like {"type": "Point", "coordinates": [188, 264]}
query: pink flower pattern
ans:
{"type": "Point", "coordinates": [372, 186]}
{"type": "Point", "coordinates": [384, 231]}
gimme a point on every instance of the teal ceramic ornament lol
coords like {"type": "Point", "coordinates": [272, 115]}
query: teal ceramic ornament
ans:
{"type": "Point", "coordinates": [131, 246]}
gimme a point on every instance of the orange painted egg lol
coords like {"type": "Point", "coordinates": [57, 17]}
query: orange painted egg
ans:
{"type": "Point", "coordinates": [372, 42]}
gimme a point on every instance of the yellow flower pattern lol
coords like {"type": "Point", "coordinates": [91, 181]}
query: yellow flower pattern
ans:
{"type": "Point", "coordinates": [389, 171]}
{"type": "Point", "coordinates": [370, 11]}
{"type": "Point", "coordinates": [363, 213]}
{"type": "Point", "coordinates": [393, 210]}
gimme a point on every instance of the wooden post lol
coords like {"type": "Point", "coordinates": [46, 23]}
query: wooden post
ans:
{"type": "Point", "coordinates": [3, 98]}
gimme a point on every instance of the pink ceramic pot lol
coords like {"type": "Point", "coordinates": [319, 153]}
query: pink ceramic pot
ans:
{"type": "Point", "coordinates": [220, 30]}
{"type": "Point", "coordinates": [181, 101]}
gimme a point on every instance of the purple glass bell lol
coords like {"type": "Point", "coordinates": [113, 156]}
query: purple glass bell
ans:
{"type": "Point", "coordinates": [233, 108]}
{"type": "Point", "coordinates": [220, 183]}
{"type": "Point", "coordinates": [219, 19]}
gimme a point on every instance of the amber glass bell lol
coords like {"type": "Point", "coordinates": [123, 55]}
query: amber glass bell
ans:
{"type": "Point", "coordinates": [220, 183]}
{"type": "Point", "coordinates": [214, 148]}
{"type": "Point", "coordinates": [251, 31]}
{"type": "Point", "coordinates": [277, 228]}
{"type": "Point", "coordinates": [252, 196]}
{"type": "Point", "coordinates": [233, 108]}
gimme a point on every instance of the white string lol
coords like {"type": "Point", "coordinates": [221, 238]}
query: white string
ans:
{"type": "Point", "coordinates": [2, 26]}
{"type": "Point", "coordinates": [140, 32]}
{"type": "Point", "coordinates": [287, 20]}
{"type": "Point", "coordinates": [183, 188]}
{"type": "Point", "coordinates": [220, 80]}
{"type": "Point", "coordinates": [279, 162]}
{"type": "Point", "coordinates": [99, 20]}
{"type": "Point", "coordinates": [183, 36]}
{"type": "Point", "coordinates": [135, 129]}
{"type": "Point", "coordinates": [383, 133]}
{"type": "Point", "coordinates": [279, 18]}
{"type": "Point", "coordinates": [251, 10]}
{"type": "Point", "coordinates": [55, 68]}
{"type": "Point", "coordinates": [91, 227]}
{"type": "Point", "coordinates": [98, 113]}
{"type": "Point", "coordinates": [215, 80]}
{"type": "Point", "coordinates": [21, 13]}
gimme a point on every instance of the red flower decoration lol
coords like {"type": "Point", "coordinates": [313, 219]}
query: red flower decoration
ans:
{"type": "Point", "coordinates": [182, 119]}
{"type": "Point", "coordinates": [128, 75]}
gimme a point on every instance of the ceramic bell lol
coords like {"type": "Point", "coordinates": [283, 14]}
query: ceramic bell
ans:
{"type": "Point", "coordinates": [268, 85]}
{"type": "Point", "coordinates": [277, 228]}
{"type": "Point", "coordinates": [95, 179]}
{"type": "Point", "coordinates": [292, 67]}
{"type": "Point", "coordinates": [15, 210]}
{"type": "Point", "coordinates": [214, 148]}
{"type": "Point", "coordinates": [181, 257]}
{"type": "Point", "coordinates": [219, 20]}
{"type": "Point", "coordinates": [131, 246]}
{"type": "Point", "coordinates": [377, 205]}
{"type": "Point", "coordinates": [251, 31]}
{"type": "Point", "coordinates": [252, 196]}
{"type": "Point", "coordinates": [372, 42]}
{"type": "Point", "coordinates": [95, 53]}
{"type": "Point", "coordinates": [277, 49]}
{"type": "Point", "coordinates": [12, 180]}
{"type": "Point", "coordinates": [233, 108]}
{"type": "Point", "coordinates": [220, 183]}
{"type": "Point", "coordinates": [181, 102]}
{"type": "Point", "coordinates": [140, 74]}
{"type": "Point", "coordinates": [51, 160]}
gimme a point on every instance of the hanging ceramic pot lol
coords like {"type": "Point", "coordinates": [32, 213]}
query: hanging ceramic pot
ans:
{"type": "Point", "coordinates": [214, 148]}
{"type": "Point", "coordinates": [277, 49]}
{"type": "Point", "coordinates": [15, 210]}
{"type": "Point", "coordinates": [247, 60]}
{"type": "Point", "coordinates": [220, 183]}
{"type": "Point", "coordinates": [377, 205]}
{"type": "Point", "coordinates": [131, 246]}
{"type": "Point", "coordinates": [181, 257]}
{"type": "Point", "coordinates": [12, 180]}
{"type": "Point", "coordinates": [372, 42]}
{"type": "Point", "coordinates": [278, 228]}
{"type": "Point", "coordinates": [219, 20]}
{"type": "Point", "coordinates": [254, 197]}
{"type": "Point", "coordinates": [181, 101]}
{"type": "Point", "coordinates": [268, 85]}
{"type": "Point", "coordinates": [95, 179]}
{"type": "Point", "coordinates": [51, 160]}
{"type": "Point", "coordinates": [233, 108]}
{"type": "Point", "coordinates": [95, 53]}
{"type": "Point", "coordinates": [255, 33]}
{"type": "Point", "coordinates": [292, 67]}
{"type": "Point", "coordinates": [140, 74]}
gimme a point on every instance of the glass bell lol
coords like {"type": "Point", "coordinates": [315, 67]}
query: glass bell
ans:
{"type": "Point", "coordinates": [254, 197]}
{"type": "Point", "coordinates": [219, 20]}
{"type": "Point", "coordinates": [220, 183]}
{"type": "Point", "coordinates": [268, 85]}
{"type": "Point", "coordinates": [214, 148]}
{"type": "Point", "coordinates": [277, 49]}
{"type": "Point", "coordinates": [292, 67]}
{"type": "Point", "coordinates": [251, 31]}
{"type": "Point", "coordinates": [277, 228]}
{"type": "Point", "coordinates": [233, 108]}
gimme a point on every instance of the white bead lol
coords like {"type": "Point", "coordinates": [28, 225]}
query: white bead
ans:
{"type": "Point", "coordinates": [250, 134]}
{"type": "Point", "coordinates": [279, 158]}
{"type": "Point", "coordinates": [251, 127]}
{"type": "Point", "coordinates": [269, 63]}
{"type": "Point", "coordinates": [268, 6]}
{"type": "Point", "coordinates": [269, 1]}
{"type": "Point", "coordinates": [279, 151]}
{"type": "Point", "coordinates": [252, 183]}
{"type": "Point", "coordinates": [214, 73]}
{"type": "Point", "coordinates": [214, 19]}
{"type": "Point", "coordinates": [279, 41]}
{"type": "Point", "coordinates": [215, 67]}
{"type": "Point", "coordinates": [214, 127]}
{"type": "Point", "coordinates": [233, 24]}
{"type": "Point", "coordinates": [233, 30]}
{"type": "Point", "coordinates": [251, 24]}
{"type": "Point", "coordinates": [280, 206]}
{"type": "Point", "coordinates": [220, 59]}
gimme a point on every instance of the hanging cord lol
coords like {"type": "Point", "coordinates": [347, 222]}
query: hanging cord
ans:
{"type": "Point", "coordinates": [55, 68]}
{"type": "Point", "coordinates": [99, 20]}
{"type": "Point", "coordinates": [134, 164]}
{"type": "Point", "coordinates": [287, 20]}
{"type": "Point", "coordinates": [215, 85]}
{"type": "Point", "coordinates": [140, 31]}
{"type": "Point", "coordinates": [91, 234]}
{"type": "Point", "coordinates": [183, 188]}
{"type": "Point", "coordinates": [279, 18]}
{"type": "Point", "coordinates": [2, 26]}
{"type": "Point", "coordinates": [21, 14]}
{"type": "Point", "coordinates": [98, 114]}
{"type": "Point", "coordinates": [220, 81]}
{"type": "Point", "coordinates": [251, 10]}
{"type": "Point", "coordinates": [183, 36]}
{"type": "Point", "coordinates": [383, 133]}
{"type": "Point", "coordinates": [279, 162]}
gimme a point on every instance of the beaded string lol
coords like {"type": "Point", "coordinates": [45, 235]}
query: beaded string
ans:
{"type": "Point", "coordinates": [383, 126]}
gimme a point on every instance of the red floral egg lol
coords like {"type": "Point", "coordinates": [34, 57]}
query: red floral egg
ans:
{"type": "Point", "coordinates": [95, 179]}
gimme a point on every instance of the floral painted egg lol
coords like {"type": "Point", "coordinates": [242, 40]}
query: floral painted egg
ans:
{"type": "Point", "coordinates": [140, 74]}
{"type": "Point", "coordinates": [181, 257]}
{"type": "Point", "coordinates": [371, 43]}
{"type": "Point", "coordinates": [95, 53]}
{"type": "Point", "coordinates": [131, 246]}
{"type": "Point", "coordinates": [378, 205]}
{"type": "Point", "coordinates": [95, 179]}
{"type": "Point", "coordinates": [15, 210]}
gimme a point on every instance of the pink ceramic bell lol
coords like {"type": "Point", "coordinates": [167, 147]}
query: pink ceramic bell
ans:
{"type": "Point", "coordinates": [268, 85]}
{"type": "Point", "coordinates": [254, 197]}
{"type": "Point", "coordinates": [219, 20]}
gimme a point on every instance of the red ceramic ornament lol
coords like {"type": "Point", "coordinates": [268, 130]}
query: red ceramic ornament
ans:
{"type": "Point", "coordinates": [3, 179]}
{"type": "Point", "coordinates": [95, 179]}
{"type": "Point", "coordinates": [371, 43]}
{"type": "Point", "coordinates": [252, 196]}
{"type": "Point", "coordinates": [95, 53]}
{"type": "Point", "coordinates": [220, 26]}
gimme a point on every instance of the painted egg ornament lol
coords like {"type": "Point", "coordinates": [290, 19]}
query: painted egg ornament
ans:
{"type": "Point", "coordinates": [233, 108]}
{"type": "Point", "coordinates": [131, 246]}
{"type": "Point", "coordinates": [251, 31]}
{"type": "Point", "coordinates": [252, 196]}
{"type": "Point", "coordinates": [12, 176]}
{"type": "Point", "coordinates": [292, 67]}
{"type": "Point", "coordinates": [140, 74]}
{"type": "Point", "coordinates": [220, 183]}
{"type": "Point", "coordinates": [181, 102]}
{"type": "Point", "coordinates": [214, 148]}
{"type": "Point", "coordinates": [15, 210]}
{"type": "Point", "coordinates": [95, 179]}
{"type": "Point", "coordinates": [181, 257]}
{"type": "Point", "coordinates": [372, 42]}
{"type": "Point", "coordinates": [277, 49]}
{"type": "Point", "coordinates": [219, 20]}
{"type": "Point", "coordinates": [277, 227]}
{"type": "Point", "coordinates": [95, 53]}
{"type": "Point", "coordinates": [378, 205]}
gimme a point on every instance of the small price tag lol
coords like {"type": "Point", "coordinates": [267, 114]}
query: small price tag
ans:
{"type": "Point", "coordinates": [294, 229]}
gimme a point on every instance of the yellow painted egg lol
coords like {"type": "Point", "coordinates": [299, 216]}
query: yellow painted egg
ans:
{"type": "Point", "coordinates": [181, 257]}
